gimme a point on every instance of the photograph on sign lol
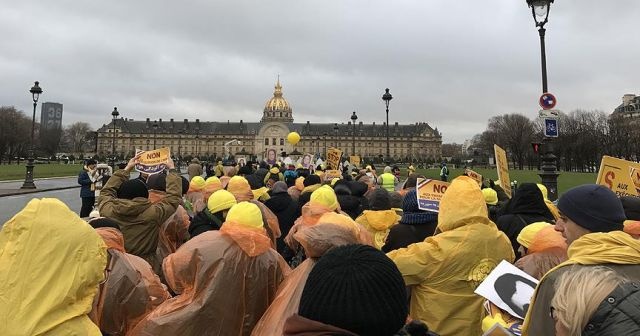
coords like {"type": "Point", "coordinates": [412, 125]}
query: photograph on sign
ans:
{"type": "Point", "coordinates": [152, 161]}
{"type": "Point", "coordinates": [509, 288]}
{"type": "Point", "coordinates": [502, 165]}
{"type": "Point", "coordinates": [429, 193]}
{"type": "Point", "coordinates": [621, 176]}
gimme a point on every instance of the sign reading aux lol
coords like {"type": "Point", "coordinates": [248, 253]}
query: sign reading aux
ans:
{"type": "Point", "coordinates": [51, 115]}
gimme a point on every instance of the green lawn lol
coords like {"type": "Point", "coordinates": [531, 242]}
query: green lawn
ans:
{"type": "Point", "coordinates": [566, 180]}
{"type": "Point", "coordinates": [17, 172]}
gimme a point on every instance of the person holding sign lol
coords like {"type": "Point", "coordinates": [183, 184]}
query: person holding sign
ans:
{"type": "Point", "coordinates": [444, 270]}
{"type": "Point", "coordinates": [126, 201]}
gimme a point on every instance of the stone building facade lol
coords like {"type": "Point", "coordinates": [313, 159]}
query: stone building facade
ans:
{"type": "Point", "coordinates": [206, 139]}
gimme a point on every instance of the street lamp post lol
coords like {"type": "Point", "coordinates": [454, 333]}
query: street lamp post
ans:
{"type": "Point", "coordinates": [155, 132]}
{"type": "Point", "coordinates": [387, 98]}
{"type": "Point", "coordinates": [548, 171]}
{"type": "Point", "coordinates": [354, 117]}
{"type": "Point", "coordinates": [318, 145]}
{"type": "Point", "coordinates": [114, 117]}
{"type": "Point", "coordinates": [179, 145]}
{"type": "Point", "coordinates": [335, 132]}
{"type": "Point", "coordinates": [28, 179]}
{"type": "Point", "coordinates": [197, 141]}
{"type": "Point", "coordinates": [325, 143]}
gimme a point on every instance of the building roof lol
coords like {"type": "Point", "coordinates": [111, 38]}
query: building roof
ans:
{"type": "Point", "coordinates": [252, 128]}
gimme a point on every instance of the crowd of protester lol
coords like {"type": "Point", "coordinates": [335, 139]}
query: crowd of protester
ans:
{"type": "Point", "coordinates": [282, 250]}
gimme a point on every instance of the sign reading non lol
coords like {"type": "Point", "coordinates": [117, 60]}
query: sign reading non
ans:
{"type": "Point", "coordinates": [551, 127]}
{"type": "Point", "coordinates": [429, 194]}
{"type": "Point", "coordinates": [152, 161]}
{"type": "Point", "coordinates": [547, 101]}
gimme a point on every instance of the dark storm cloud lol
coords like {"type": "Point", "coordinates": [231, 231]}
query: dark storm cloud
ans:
{"type": "Point", "coordinates": [453, 64]}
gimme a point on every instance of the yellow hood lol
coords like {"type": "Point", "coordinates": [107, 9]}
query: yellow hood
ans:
{"type": "Point", "coordinates": [461, 204]}
{"type": "Point", "coordinates": [381, 220]}
{"type": "Point", "coordinates": [51, 263]}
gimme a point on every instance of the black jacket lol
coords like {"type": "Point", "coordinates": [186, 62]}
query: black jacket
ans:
{"type": "Point", "coordinates": [286, 209]}
{"type": "Point", "coordinates": [403, 235]}
{"type": "Point", "coordinates": [527, 206]}
{"type": "Point", "coordinates": [205, 221]}
{"type": "Point", "coordinates": [618, 314]}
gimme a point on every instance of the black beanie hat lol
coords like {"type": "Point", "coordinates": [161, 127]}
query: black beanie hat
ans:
{"type": "Point", "coordinates": [131, 189]}
{"type": "Point", "coordinates": [311, 180]}
{"type": "Point", "coordinates": [593, 207]}
{"type": "Point", "coordinates": [157, 182]}
{"type": "Point", "coordinates": [245, 170]}
{"type": "Point", "coordinates": [379, 200]}
{"type": "Point", "coordinates": [357, 288]}
{"type": "Point", "coordinates": [254, 182]}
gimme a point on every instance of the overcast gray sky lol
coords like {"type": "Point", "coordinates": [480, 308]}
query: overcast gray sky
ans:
{"type": "Point", "coordinates": [453, 64]}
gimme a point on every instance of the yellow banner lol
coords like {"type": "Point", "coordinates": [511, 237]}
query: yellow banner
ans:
{"type": "Point", "coordinates": [621, 176]}
{"type": "Point", "coordinates": [333, 158]}
{"type": "Point", "coordinates": [355, 160]}
{"type": "Point", "coordinates": [503, 169]}
{"type": "Point", "coordinates": [152, 161]}
{"type": "Point", "coordinates": [474, 176]}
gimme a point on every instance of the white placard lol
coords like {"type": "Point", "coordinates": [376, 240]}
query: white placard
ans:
{"type": "Point", "coordinates": [509, 288]}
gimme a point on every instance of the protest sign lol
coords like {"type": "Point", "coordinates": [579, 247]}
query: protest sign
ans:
{"type": "Point", "coordinates": [331, 174]}
{"type": "Point", "coordinates": [502, 165]}
{"type": "Point", "coordinates": [509, 288]}
{"type": "Point", "coordinates": [429, 194]}
{"type": "Point", "coordinates": [477, 177]}
{"type": "Point", "coordinates": [333, 158]}
{"type": "Point", "coordinates": [152, 161]}
{"type": "Point", "coordinates": [621, 176]}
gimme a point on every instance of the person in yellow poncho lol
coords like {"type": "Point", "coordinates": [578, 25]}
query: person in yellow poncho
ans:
{"type": "Point", "coordinates": [51, 263]}
{"type": "Point", "coordinates": [445, 269]}
{"type": "Point", "coordinates": [380, 218]}
{"type": "Point", "coordinates": [591, 218]}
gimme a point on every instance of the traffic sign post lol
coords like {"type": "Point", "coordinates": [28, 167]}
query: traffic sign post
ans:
{"type": "Point", "coordinates": [547, 101]}
{"type": "Point", "coordinates": [551, 127]}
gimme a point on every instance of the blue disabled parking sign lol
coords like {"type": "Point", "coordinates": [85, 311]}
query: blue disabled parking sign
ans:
{"type": "Point", "coordinates": [551, 127]}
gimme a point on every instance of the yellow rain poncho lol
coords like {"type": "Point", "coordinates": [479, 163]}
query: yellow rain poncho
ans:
{"type": "Point", "coordinates": [51, 263]}
{"type": "Point", "coordinates": [445, 269]}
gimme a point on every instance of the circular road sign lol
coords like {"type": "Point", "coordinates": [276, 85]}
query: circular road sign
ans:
{"type": "Point", "coordinates": [547, 101]}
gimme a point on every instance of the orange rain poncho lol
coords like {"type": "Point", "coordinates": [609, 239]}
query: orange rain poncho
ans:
{"type": "Point", "coordinates": [316, 241]}
{"type": "Point", "coordinates": [131, 291]}
{"type": "Point", "coordinates": [51, 263]}
{"type": "Point", "coordinates": [547, 250]}
{"type": "Point", "coordinates": [173, 232]}
{"type": "Point", "coordinates": [224, 288]}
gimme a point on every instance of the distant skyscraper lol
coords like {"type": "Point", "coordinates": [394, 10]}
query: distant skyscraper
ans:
{"type": "Point", "coordinates": [51, 116]}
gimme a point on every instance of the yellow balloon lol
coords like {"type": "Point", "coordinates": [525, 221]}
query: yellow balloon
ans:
{"type": "Point", "coordinates": [293, 138]}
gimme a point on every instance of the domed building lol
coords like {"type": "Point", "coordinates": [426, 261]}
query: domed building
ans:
{"type": "Point", "coordinates": [211, 140]}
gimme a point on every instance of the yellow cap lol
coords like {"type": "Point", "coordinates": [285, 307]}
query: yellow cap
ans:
{"type": "Point", "coordinates": [525, 238]}
{"type": "Point", "coordinates": [543, 190]}
{"type": "Point", "coordinates": [197, 183]}
{"type": "Point", "coordinates": [274, 170]}
{"type": "Point", "coordinates": [490, 196]}
{"type": "Point", "coordinates": [220, 200]}
{"type": "Point", "coordinates": [245, 214]}
{"type": "Point", "coordinates": [325, 196]}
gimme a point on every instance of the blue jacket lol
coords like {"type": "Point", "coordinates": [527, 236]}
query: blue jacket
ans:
{"type": "Point", "coordinates": [85, 184]}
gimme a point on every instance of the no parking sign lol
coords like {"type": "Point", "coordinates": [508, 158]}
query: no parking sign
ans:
{"type": "Point", "coordinates": [547, 101]}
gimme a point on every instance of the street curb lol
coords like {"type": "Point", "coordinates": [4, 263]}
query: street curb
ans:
{"type": "Point", "coordinates": [40, 178]}
{"type": "Point", "coordinates": [24, 192]}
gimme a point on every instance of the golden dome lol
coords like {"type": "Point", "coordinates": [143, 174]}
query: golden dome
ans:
{"type": "Point", "coordinates": [277, 103]}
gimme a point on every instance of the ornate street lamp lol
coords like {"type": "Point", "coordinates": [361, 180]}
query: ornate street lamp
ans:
{"type": "Point", "coordinates": [28, 179]}
{"type": "Point", "coordinates": [548, 171]}
{"type": "Point", "coordinates": [179, 145]}
{"type": "Point", "coordinates": [155, 131]}
{"type": "Point", "coordinates": [114, 117]}
{"type": "Point", "coordinates": [325, 143]}
{"type": "Point", "coordinates": [354, 117]}
{"type": "Point", "coordinates": [387, 98]}
{"type": "Point", "coordinates": [335, 132]}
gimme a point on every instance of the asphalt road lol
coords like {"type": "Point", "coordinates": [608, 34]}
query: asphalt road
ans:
{"type": "Point", "coordinates": [10, 205]}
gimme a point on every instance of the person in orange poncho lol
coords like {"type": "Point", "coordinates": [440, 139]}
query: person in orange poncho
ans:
{"type": "Point", "coordinates": [131, 290]}
{"type": "Point", "coordinates": [194, 198]}
{"type": "Point", "coordinates": [225, 280]}
{"type": "Point", "coordinates": [333, 230]}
